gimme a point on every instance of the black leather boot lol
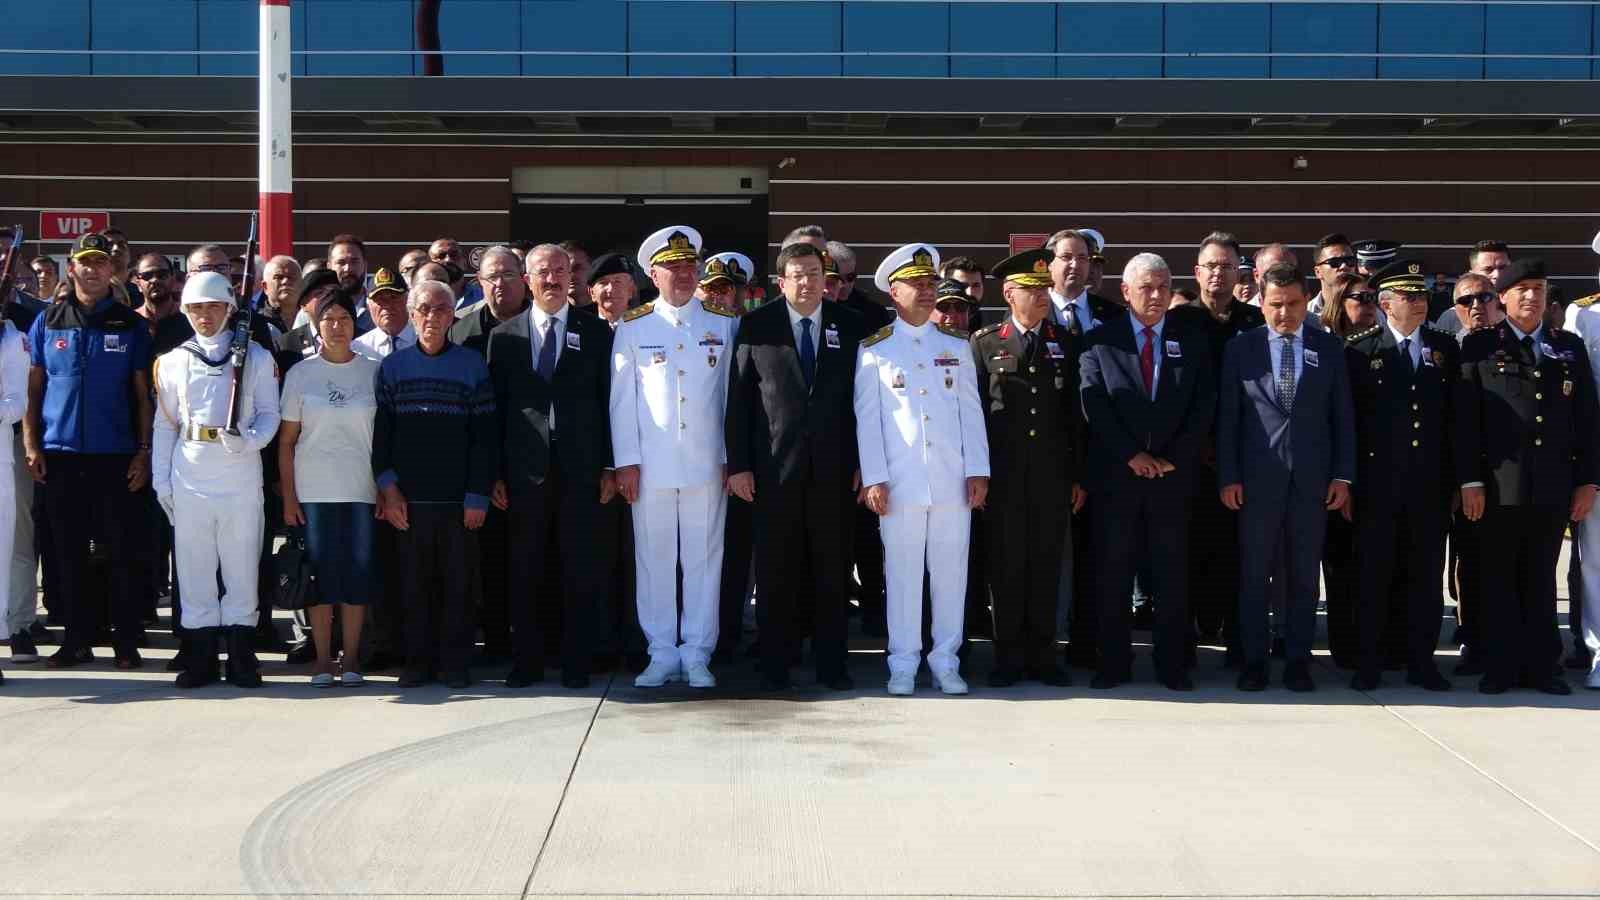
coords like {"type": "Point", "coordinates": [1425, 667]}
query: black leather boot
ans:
{"type": "Point", "coordinates": [243, 670]}
{"type": "Point", "coordinates": [199, 658]}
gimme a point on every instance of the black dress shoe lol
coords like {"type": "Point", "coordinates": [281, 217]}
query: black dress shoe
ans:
{"type": "Point", "coordinates": [66, 658]}
{"type": "Point", "coordinates": [1180, 682]}
{"type": "Point", "coordinates": [1489, 684]}
{"type": "Point", "coordinates": [1297, 677]}
{"type": "Point", "coordinates": [1104, 681]}
{"type": "Point", "coordinates": [1253, 678]}
{"type": "Point", "coordinates": [522, 676]}
{"type": "Point", "coordinates": [1365, 680]}
{"type": "Point", "coordinates": [1430, 680]}
{"type": "Point", "coordinates": [576, 681]}
{"type": "Point", "coordinates": [1054, 676]}
{"type": "Point", "coordinates": [839, 683]}
{"type": "Point", "coordinates": [1004, 678]}
{"type": "Point", "coordinates": [1554, 685]}
{"type": "Point", "coordinates": [456, 680]}
{"type": "Point", "coordinates": [411, 678]}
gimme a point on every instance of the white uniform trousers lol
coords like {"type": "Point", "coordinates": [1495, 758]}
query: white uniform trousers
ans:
{"type": "Point", "coordinates": [16, 532]}
{"type": "Point", "coordinates": [213, 531]}
{"type": "Point", "coordinates": [1589, 551]}
{"type": "Point", "coordinates": [679, 525]}
{"type": "Point", "coordinates": [935, 538]}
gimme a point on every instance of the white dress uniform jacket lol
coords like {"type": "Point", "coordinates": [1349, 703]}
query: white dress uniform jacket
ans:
{"type": "Point", "coordinates": [669, 395]}
{"type": "Point", "coordinates": [18, 604]}
{"type": "Point", "coordinates": [214, 489]}
{"type": "Point", "coordinates": [920, 429]}
{"type": "Point", "coordinates": [1583, 319]}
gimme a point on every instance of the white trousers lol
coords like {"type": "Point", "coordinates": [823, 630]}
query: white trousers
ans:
{"type": "Point", "coordinates": [16, 532]}
{"type": "Point", "coordinates": [1589, 551]}
{"type": "Point", "coordinates": [209, 532]}
{"type": "Point", "coordinates": [673, 527]}
{"type": "Point", "coordinates": [935, 538]}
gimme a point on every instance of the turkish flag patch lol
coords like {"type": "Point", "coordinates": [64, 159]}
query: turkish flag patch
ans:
{"type": "Point", "coordinates": [61, 343]}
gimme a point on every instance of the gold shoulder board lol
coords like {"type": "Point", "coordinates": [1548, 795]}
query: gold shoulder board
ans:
{"type": "Point", "coordinates": [1586, 301]}
{"type": "Point", "coordinates": [637, 311]}
{"type": "Point", "coordinates": [717, 309]}
{"type": "Point", "coordinates": [878, 335]}
{"type": "Point", "coordinates": [953, 332]}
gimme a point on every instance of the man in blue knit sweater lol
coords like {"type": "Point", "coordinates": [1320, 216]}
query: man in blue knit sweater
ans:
{"type": "Point", "coordinates": [434, 457]}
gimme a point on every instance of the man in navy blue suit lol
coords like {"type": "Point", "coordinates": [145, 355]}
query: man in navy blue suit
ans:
{"type": "Point", "coordinates": [1285, 457]}
{"type": "Point", "coordinates": [1148, 399]}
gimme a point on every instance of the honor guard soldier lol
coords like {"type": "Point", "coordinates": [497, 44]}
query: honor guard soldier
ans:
{"type": "Point", "coordinates": [1583, 319]}
{"type": "Point", "coordinates": [1033, 418]}
{"type": "Point", "coordinates": [669, 391]}
{"type": "Point", "coordinates": [924, 465]}
{"type": "Point", "coordinates": [208, 479]}
{"type": "Point", "coordinates": [1525, 446]}
{"type": "Point", "coordinates": [1402, 375]}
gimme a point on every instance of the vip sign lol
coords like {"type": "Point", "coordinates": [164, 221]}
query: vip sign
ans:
{"type": "Point", "coordinates": [71, 224]}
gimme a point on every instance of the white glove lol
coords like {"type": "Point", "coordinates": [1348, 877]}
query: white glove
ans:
{"type": "Point", "coordinates": [233, 443]}
{"type": "Point", "coordinates": [166, 506]}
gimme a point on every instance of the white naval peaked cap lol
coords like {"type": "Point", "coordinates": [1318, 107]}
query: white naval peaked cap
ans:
{"type": "Point", "coordinates": [670, 244]}
{"type": "Point", "coordinates": [208, 287]}
{"type": "Point", "coordinates": [1099, 239]}
{"type": "Point", "coordinates": [910, 261]}
{"type": "Point", "coordinates": [1595, 244]}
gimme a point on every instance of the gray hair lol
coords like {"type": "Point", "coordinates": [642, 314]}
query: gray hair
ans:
{"type": "Point", "coordinates": [502, 251]}
{"type": "Point", "coordinates": [549, 249]}
{"type": "Point", "coordinates": [279, 261]}
{"type": "Point", "coordinates": [422, 289]}
{"type": "Point", "coordinates": [204, 250]}
{"type": "Point", "coordinates": [805, 233]}
{"type": "Point", "coordinates": [843, 257]}
{"type": "Point", "coordinates": [1146, 262]}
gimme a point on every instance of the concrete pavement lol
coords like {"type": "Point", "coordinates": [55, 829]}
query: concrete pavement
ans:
{"type": "Point", "coordinates": [119, 784]}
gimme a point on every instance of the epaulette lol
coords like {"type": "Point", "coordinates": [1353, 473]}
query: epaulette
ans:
{"type": "Point", "coordinates": [1483, 328]}
{"type": "Point", "coordinates": [717, 309]}
{"type": "Point", "coordinates": [1585, 302]}
{"type": "Point", "coordinates": [640, 310]}
{"type": "Point", "coordinates": [953, 332]}
{"type": "Point", "coordinates": [1440, 331]}
{"type": "Point", "coordinates": [987, 329]}
{"type": "Point", "coordinates": [1363, 335]}
{"type": "Point", "coordinates": [878, 335]}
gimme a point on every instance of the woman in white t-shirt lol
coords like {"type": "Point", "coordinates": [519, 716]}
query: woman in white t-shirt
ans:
{"type": "Point", "coordinates": [325, 461]}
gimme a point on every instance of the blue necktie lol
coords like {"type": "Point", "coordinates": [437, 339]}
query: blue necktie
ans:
{"type": "Point", "coordinates": [547, 351]}
{"type": "Point", "coordinates": [1286, 374]}
{"type": "Point", "coordinates": [808, 351]}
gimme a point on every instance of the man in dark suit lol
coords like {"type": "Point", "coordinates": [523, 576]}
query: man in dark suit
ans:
{"type": "Point", "coordinates": [1403, 375]}
{"type": "Point", "coordinates": [1213, 528]}
{"type": "Point", "coordinates": [551, 368]}
{"type": "Point", "coordinates": [1285, 457]}
{"type": "Point", "coordinates": [790, 432]}
{"type": "Point", "coordinates": [1031, 411]}
{"type": "Point", "coordinates": [1525, 454]}
{"type": "Point", "coordinates": [1148, 401]}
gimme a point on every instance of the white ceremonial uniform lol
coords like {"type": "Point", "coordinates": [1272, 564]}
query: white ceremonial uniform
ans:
{"type": "Point", "coordinates": [215, 490]}
{"type": "Point", "coordinates": [20, 600]}
{"type": "Point", "coordinates": [669, 393]}
{"type": "Point", "coordinates": [920, 428]}
{"type": "Point", "coordinates": [1584, 321]}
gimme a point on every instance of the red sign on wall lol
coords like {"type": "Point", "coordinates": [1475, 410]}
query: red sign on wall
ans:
{"type": "Point", "coordinates": [1021, 242]}
{"type": "Point", "coordinates": [69, 225]}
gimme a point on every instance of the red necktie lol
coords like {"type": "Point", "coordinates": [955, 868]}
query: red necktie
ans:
{"type": "Point", "coordinates": [1147, 360]}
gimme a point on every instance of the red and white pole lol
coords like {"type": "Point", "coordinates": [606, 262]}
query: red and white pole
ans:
{"type": "Point", "coordinates": [276, 152]}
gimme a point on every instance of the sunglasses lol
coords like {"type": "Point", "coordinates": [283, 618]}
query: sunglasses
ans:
{"type": "Point", "coordinates": [1484, 297]}
{"type": "Point", "coordinates": [152, 275]}
{"type": "Point", "coordinates": [1365, 298]}
{"type": "Point", "coordinates": [1339, 262]}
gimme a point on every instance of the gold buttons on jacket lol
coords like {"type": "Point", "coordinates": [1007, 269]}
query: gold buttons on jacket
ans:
{"type": "Point", "coordinates": [1416, 443]}
{"type": "Point", "coordinates": [1538, 396]}
{"type": "Point", "coordinates": [1032, 433]}
{"type": "Point", "coordinates": [922, 390]}
{"type": "Point", "coordinates": [1538, 442]}
{"type": "Point", "coordinates": [1538, 418]}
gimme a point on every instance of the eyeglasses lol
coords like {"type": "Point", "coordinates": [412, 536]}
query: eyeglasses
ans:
{"type": "Point", "coordinates": [434, 309]}
{"type": "Point", "coordinates": [503, 277]}
{"type": "Point", "coordinates": [1339, 262]}
{"type": "Point", "coordinates": [1484, 297]}
{"type": "Point", "coordinates": [212, 267]}
{"type": "Point", "coordinates": [1218, 266]}
{"type": "Point", "coordinates": [1365, 298]}
{"type": "Point", "coordinates": [153, 275]}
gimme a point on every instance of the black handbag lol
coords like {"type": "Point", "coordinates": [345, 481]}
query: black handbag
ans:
{"type": "Point", "coordinates": [294, 577]}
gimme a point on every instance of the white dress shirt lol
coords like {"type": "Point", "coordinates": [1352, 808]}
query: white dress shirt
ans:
{"type": "Point", "coordinates": [816, 326]}
{"type": "Point", "coordinates": [1156, 346]}
{"type": "Point", "coordinates": [377, 343]}
{"type": "Point", "coordinates": [1415, 337]}
{"type": "Point", "coordinates": [1078, 307]}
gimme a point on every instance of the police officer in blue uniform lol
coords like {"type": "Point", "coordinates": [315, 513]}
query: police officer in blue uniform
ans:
{"type": "Point", "coordinates": [87, 440]}
{"type": "Point", "coordinates": [1402, 377]}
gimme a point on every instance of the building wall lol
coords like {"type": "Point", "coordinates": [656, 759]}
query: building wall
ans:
{"type": "Point", "coordinates": [956, 39]}
{"type": "Point", "coordinates": [965, 201]}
